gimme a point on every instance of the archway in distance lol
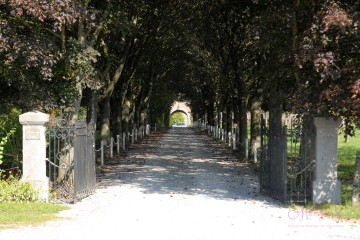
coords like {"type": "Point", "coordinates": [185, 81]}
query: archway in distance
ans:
{"type": "Point", "coordinates": [184, 108]}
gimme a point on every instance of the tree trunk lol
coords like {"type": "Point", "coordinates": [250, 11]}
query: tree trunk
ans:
{"type": "Point", "coordinates": [116, 116]}
{"type": "Point", "coordinates": [255, 128]}
{"type": "Point", "coordinates": [276, 143]}
{"type": "Point", "coordinates": [243, 127]}
{"type": "Point", "coordinates": [144, 115]}
{"type": "Point", "coordinates": [91, 114]}
{"type": "Point", "coordinates": [225, 120]}
{"type": "Point", "coordinates": [229, 119]}
{"type": "Point", "coordinates": [105, 112]}
{"type": "Point", "coordinates": [132, 123]}
{"type": "Point", "coordinates": [125, 117]}
{"type": "Point", "coordinates": [66, 174]}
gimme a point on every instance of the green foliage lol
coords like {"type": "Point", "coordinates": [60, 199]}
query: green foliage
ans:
{"type": "Point", "coordinates": [161, 121]}
{"type": "Point", "coordinates": [12, 190]}
{"type": "Point", "coordinates": [10, 135]}
{"type": "Point", "coordinates": [3, 142]}
{"type": "Point", "coordinates": [177, 117]}
{"type": "Point", "coordinates": [346, 157]}
{"type": "Point", "coordinates": [81, 61]}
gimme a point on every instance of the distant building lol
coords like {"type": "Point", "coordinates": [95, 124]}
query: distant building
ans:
{"type": "Point", "coordinates": [184, 108]}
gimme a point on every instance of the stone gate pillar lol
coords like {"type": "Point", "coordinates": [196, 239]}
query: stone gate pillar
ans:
{"type": "Point", "coordinates": [326, 187]}
{"type": "Point", "coordinates": [34, 151]}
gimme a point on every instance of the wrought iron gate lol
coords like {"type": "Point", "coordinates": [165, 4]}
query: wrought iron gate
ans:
{"type": "Point", "coordinates": [300, 155]}
{"type": "Point", "coordinates": [292, 163]}
{"type": "Point", "coordinates": [71, 160]}
{"type": "Point", "coordinates": [265, 171]}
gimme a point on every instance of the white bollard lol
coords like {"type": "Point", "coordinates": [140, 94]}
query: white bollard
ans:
{"type": "Point", "coordinates": [111, 147]}
{"type": "Point", "coordinates": [124, 141]}
{"type": "Point", "coordinates": [118, 143]}
{"type": "Point", "coordinates": [132, 137]}
{"type": "Point", "coordinates": [255, 148]}
{"type": "Point", "coordinates": [246, 148]}
{"type": "Point", "coordinates": [234, 141]}
{"type": "Point", "coordinates": [102, 153]}
{"type": "Point", "coordinates": [230, 139]}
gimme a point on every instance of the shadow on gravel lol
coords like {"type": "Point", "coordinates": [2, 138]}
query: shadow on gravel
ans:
{"type": "Point", "coordinates": [183, 162]}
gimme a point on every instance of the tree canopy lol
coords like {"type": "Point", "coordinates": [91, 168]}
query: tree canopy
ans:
{"type": "Point", "coordinates": [127, 61]}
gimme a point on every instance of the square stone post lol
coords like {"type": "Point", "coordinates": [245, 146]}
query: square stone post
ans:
{"type": "Point", "coordinates": [34, 152]}
{"type": "Point", "coordinates": [356, 184]}
{"type": "Point", "coordinates": [326, 187]}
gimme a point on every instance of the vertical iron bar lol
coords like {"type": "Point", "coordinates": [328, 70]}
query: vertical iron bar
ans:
{"type": "Point", "coordinates": [285, 160]}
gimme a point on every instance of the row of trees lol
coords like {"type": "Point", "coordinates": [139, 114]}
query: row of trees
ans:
{"type": "Point", "coordinates": [114, 58]}
{"type": "Point", "coordinates": [300, 56]}
{"type": "Point", "coordinates": [127, 61]}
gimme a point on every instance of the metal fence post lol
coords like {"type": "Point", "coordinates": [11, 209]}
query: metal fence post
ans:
{"type": "Point", "coordinates": [356, 184]}
{"type": "Point", "coordinates": [285, 163]}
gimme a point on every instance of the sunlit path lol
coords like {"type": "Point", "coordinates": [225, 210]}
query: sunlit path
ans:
{"type": "Point", "coordinates": [183, 186]}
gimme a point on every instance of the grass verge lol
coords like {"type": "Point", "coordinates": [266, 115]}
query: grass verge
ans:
{"type": "Point", "coordinates": [343, 211]}
{"type": "Point", "coordinates": [28, 214]}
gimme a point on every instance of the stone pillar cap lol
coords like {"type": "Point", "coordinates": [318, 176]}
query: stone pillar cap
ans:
{"type": "Point", "coordinates": [322, 121]}
{"type": "Point", "coordinates": [34, 118]}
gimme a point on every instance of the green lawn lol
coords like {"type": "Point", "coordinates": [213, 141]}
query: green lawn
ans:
{"type": "Point", "coordinates": [346, 157]}
{"type": "Point", "coordinates": [28, 214]}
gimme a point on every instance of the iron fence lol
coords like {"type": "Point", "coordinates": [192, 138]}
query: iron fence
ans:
{"type": "Point", "coordinates": [71, 160]}
{"type": "Point", "coordinates": [287, 162]}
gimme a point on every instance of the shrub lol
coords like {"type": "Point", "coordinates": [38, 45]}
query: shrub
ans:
{"type": "Point", "coordinates": [12, 190]}
{"type": "Point", "coordinates": [10, 136]}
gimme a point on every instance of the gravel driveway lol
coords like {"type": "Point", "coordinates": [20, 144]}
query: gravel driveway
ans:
{"type": "Point", "coordinates": [183, 186]}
